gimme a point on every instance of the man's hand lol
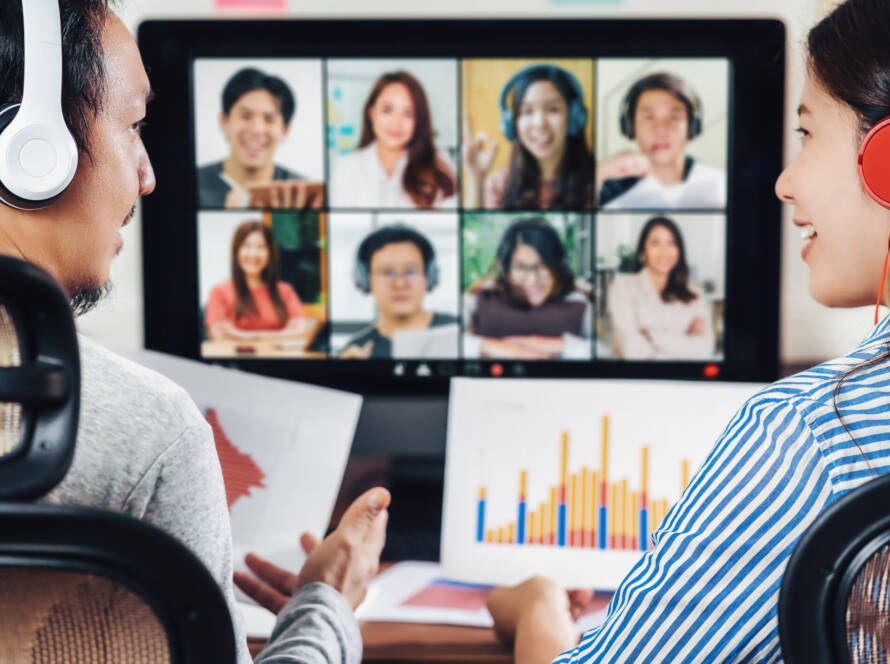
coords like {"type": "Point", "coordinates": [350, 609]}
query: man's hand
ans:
{"type": "Point", "coordinates": [346, 560]}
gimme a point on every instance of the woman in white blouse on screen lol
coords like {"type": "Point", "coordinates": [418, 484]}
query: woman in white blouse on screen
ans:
{"type": "Point", "coordinates": [657, 312]}
{"type": "Point", "coordinates": [397, 164]}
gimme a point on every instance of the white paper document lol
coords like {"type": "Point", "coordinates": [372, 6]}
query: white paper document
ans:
{"type": "Point", "coordinates": [283, 447]}
{"type": "Point", "coordinates": [570, 478]}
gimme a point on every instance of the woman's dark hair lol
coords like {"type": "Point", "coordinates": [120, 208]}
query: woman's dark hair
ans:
{"type": "Point", "coordinates": [83, 66]}
{"type": "Point", "coordinates": [677, 287]}
{"type": "Point", "coordinates": [425, 176]}
{"type": "Point", "coordinates": [250, 79]}
{"type": "Point", "coordinates": [538, 234]}
{"type": "Point", "coordinates": [847, 55]}
{"type": "Point", "coordinates": [244, 303]}
{"type": "Point", "coordinates": [573, 188]}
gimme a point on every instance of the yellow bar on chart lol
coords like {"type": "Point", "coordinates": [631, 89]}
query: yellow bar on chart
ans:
{"type": "Point", "coordinates": [664, 510]}
{"type": "Point", "coordinates": [685, 478]}
{"type": "Point", "coordinates": [541, 523]}
{"type": "Point", "coordinates": [500, 535]}
{"type": "Point", "coordinates": [584, 511]}
{"type": "Point", "coordinates": [523, 480]}
{"type": "Point", "coordinates": [573, 510]}
{"type": "Point", "coordinates": [604, 468]}
{"type": "Point", "coordinates": [510, 535]}
{"type": "Point", "coordinates": [551, 530]}
{"type": "Point", "coordinates": [531, 528]}
{"type": "Point", "coordinates": [564, 464]}
{"type": "Point", "coordinates": [624, 528]}
{"type": "Point", "coordinates": [614, 514]}
{"type": "Point", "coordinates": [635, 519]}
{"type": "Point", "coordinates": [644, 480]}
{"type": "Point", "coordinates": [489, 535]}
{"type": "Point", "coordinates": [481, 493]}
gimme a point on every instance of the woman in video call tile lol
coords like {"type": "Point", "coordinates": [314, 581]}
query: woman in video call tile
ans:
{"type": "Point", "coordinates": [254, 304]}
{"type": "Point", "coordinates": [397, 266]}
{"type": "Point", "coordinates": [551, 166]}
{"type": "Point", "coordinates": [257, 110]}
{"type": "Point", "coordinates": [396, 164]}
{"type": "Point", "coordinates": [533, 308]}
{"type": "Point", "coordinates": [662, 114]}
{"type": "Point", "coordinates": [658, 312]}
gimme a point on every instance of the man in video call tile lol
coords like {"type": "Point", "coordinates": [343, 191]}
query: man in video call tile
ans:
{"type": "Point", "coordinates": [662, 114]}
{"type": "Point", "coordinates": [255, 119]}
{"type": "Point", "coordinates": [397, 265]}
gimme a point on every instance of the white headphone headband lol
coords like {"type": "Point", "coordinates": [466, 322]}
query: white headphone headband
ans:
{"type": "Point", "coordinates": [38, 155]}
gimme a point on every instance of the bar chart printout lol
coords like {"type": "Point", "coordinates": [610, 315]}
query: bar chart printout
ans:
{"type": "Point", "coordinates": [570, 478]}
{"type": "Point", "coordinates": [592, 511]}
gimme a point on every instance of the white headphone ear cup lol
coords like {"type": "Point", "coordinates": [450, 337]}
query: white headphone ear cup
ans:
{"type": "Point", "coordinates": [360, 276]}
{"type": "Point", "coordinates": [8, 113]}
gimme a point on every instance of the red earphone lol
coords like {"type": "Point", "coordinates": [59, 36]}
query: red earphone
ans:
{"type": "Point", "coordinates": [874, 173]}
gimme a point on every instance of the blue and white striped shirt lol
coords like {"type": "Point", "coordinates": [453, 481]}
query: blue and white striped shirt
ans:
{"type": "Point", "coordinates": [709, 590]}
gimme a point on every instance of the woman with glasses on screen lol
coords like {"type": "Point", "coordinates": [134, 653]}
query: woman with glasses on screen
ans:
{"type": "Point", "coordinates": [708, 591]}
{"type": "Point", "coordinates": [397, 164]}
{"type": "Point", "coordinates": [532, 309]}
{"type": "Point", "coordinates": [657, 311]}
{"type": "Point", "coordinates": [254, 304]}
{"type": "Point", "coordinates": [662, 114]}
{"type": "Point", "coordinates": [551, 168]}
{"type": "Point", "coordinates": [397, 266]}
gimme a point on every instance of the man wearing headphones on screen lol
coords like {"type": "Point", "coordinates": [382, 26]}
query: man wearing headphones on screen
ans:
{"type": "Point", "coordinates": [71, 173]}
{"type": "Point", "coordinates": [662, 114]}
{"type": "Point", "coordinates": [397, 265]}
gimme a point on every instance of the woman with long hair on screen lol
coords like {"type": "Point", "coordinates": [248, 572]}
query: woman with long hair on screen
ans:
{"type": "Point", "coordinates": [531, 308]}
{"type": "Point", "coordinates": [709, 590]}
{"type": "Point", "coordinates": [397, 164]}
{"type": "Point", "coordinates": [657, 311]}
{"type": "Point", "coordinates": [254, 304]}
{"type": "Point", "coordinates": [551, 167]}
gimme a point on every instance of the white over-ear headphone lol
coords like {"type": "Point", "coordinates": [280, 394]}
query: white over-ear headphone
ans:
{"type": "Point", "coordinates": [38, 155]}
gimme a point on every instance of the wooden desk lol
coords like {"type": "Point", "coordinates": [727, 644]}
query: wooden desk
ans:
{"type": "Point", "coordinates": [386, 642]}
{"type": "Point", "coordinates": [264, 348]}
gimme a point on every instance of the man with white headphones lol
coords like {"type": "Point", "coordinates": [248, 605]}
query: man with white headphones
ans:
{"type": "Point", "coordinates": [72, 166]}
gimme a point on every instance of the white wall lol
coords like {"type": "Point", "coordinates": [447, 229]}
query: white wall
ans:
{"type": "Point", "coordinates": [809, 332]}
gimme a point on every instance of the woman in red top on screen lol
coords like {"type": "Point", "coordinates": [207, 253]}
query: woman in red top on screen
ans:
{"type": "Point", "coordinates": [254, 304]}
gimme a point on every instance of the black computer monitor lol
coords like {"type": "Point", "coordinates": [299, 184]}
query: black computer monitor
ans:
{"type": "Point", "coordinates": [381, 205]}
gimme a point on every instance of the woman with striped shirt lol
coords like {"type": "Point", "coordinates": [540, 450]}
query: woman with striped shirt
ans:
{"type": "Point", "coordinates": [708, 591]}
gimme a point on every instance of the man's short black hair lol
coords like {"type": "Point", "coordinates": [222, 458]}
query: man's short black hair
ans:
{"type": "Point", "coordinates": [394, 235]}
{"type": "Point", "coordinates": [250, 79]}
{"type": "Point", "coordinates": [83, 69]}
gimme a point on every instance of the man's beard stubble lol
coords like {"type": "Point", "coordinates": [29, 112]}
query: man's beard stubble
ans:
{"type": "Point", "coordinates": [85, 299]}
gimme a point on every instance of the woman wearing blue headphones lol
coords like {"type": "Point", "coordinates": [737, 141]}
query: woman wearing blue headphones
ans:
{"type": "Point", "coordinates": [551, 167]}
{"type": "Point", "coordinates": [708, 591]}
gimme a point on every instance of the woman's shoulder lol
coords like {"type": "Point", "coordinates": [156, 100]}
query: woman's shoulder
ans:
{"type": "Point", "coordinates": [702, 170]}
{"type": "Point", "coordinates": [286, 289]}
{"type": "Point", "coordinates": [224, 289]}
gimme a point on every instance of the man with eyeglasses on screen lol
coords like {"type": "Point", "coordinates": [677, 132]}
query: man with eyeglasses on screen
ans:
{"type": "Point", "coordinates": [142, 447]}
{"type": "Point", "coordinates": [397, 266]}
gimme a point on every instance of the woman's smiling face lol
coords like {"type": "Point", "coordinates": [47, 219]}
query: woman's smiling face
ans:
{"type": "Point", "coordinates": [844, 231]}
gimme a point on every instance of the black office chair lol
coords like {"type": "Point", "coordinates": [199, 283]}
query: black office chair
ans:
{"type": "Point", "coordinates": [80, 584]}
{"type": "Point", "coordinates": [834, 605]}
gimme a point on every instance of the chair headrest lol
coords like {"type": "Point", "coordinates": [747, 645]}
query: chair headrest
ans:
{"type": "Point", "coordinates": [39, 381]}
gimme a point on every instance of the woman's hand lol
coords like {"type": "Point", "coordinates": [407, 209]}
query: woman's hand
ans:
{"type": "Point", "coordinates": [236, 199]}
{"type": "Point", "coordinates": [698, 326]}
{"type": "Point", "coordinates": [479, 152]}
{"type": "Point", "coordinates": [510, 348]}
{"type": "Point", "coordinates": [623, 165]}
{"type": "Point", "coordinates": [537, 617]}
{"type": "Point", "coordinates": [550, 346]}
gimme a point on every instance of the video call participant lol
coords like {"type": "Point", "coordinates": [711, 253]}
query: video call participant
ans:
{"type": "Point", "coordinates": [397, 266]}
{"type": "Point", "coordinates": [397, 164]}
{"type": "Point", "coordinates": [709, 590]}
{"type": "Point", "coordinates": [254, 303]}
{"type": "Point", "coordinates": [551, 168]}
{"type": "Point", "coordinates": [257, 110]}
{"type": "Point", "coordinates": [657, 311]}
{"type": "Point", "coordinates": [143, 447]}
{"type": "Point", "coordinates": [662, 114]}
{"type": "Point", "coordinates": [532, 309]}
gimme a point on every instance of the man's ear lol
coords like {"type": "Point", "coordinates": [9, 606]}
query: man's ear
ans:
{"type": "Point", "coordinates": [223, 123]}
{"type": "Point", "coordinates": [286, 131]}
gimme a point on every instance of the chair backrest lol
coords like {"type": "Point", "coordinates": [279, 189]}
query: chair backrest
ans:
{"type": "Point", "coordinates": [834, 604]}
{"type": "Point", "coordinates": [79, 584]}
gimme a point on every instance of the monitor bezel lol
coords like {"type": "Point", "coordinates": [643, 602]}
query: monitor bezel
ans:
{"type": "Point", "coordinates": [754, 47]}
